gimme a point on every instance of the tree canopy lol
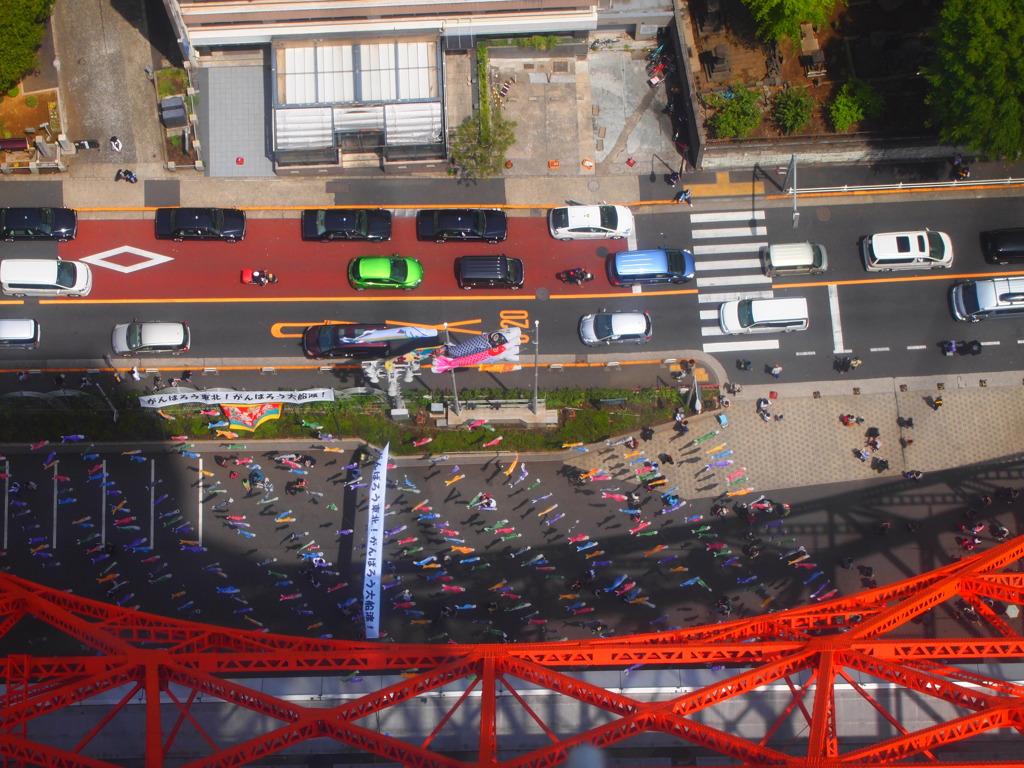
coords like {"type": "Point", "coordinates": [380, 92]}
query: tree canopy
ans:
{"type": "Point", "coordinates": [977, 78]}
{"type": "Point", "coordinates": [22, 24]}
{"type": "Point", "coordinates": [782, 18]}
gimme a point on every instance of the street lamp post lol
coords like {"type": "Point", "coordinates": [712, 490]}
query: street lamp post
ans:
{"type": "Point", "coordinates": [455, 389]}
{"type": "Point", "coordinates": [536, 363]}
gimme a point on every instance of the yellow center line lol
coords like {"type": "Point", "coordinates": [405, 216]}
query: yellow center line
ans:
{"type": "Point", "coordinates": [915, 279]}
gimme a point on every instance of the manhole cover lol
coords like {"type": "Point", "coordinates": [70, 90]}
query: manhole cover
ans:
{"type": "Point", "coordinates": [593, 185]}
{"type": "Point", "coordinates": [542, 293]}
{"type": "Point", "coordinates": [823, 214]}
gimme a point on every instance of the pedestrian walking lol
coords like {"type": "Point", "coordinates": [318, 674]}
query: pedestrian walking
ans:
{"type": "Point", "coordinates": [914, 474]}
{"type": "Point", "coordinates": [685, 197]}
{"type": "Point", "coordinates": [115, 144]}
{"type": "Point", "coordinates": [937, 403]}
{"type": "Point", "coordinates": [776, 371]}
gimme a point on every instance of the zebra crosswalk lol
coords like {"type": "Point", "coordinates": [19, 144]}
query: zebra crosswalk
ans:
{"type": "Point", "coordinates": [727, 246]}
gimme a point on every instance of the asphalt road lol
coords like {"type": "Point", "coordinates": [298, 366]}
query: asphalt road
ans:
{"type": "Point", "coordinates": [515, 580]}
{"type": "Point", "coordinates": [893, 321]}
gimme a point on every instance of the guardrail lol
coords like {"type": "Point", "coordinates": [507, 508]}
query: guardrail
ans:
{"type": "Point", "coordinates": [901, 186]}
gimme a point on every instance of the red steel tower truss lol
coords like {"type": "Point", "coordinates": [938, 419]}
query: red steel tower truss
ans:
{"type": "Point", "coordinates": [136, 657]}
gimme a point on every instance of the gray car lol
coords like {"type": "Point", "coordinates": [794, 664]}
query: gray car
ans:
{"type": "Point", "coordinates": [615, 328]}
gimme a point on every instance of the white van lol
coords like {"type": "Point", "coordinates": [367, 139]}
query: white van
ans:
{"type": "Point", "coordinates": [19, 334]}
{"type": "Point", "coordinates": [44, 277]}
{"type": "Point", "coordinates": [795, 259]}
{"type": "Point", "coordinates": [763, 316]}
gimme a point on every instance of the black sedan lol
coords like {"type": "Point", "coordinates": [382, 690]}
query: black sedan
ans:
{"type": "Point", "coordinates": [38, 224]}
{"type": "Point", "coordinates": [462, 224]}
{"type": "Point", "coordinates": [200, 224]}
{"type": "Point", "coordinates": [358, 224]}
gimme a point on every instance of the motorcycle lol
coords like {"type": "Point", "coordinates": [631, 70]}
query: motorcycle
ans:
{"type": "Point", "coordinates": [577, 276]}
{"type": "Point", "coordinates": [258, 277]}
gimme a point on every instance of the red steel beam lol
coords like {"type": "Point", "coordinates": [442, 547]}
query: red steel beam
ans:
{"type": "Point", "coordinates": [822, 640]}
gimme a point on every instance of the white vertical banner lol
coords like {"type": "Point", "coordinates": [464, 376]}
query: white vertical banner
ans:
{"type": "Point", "coordinates": [374, 545]}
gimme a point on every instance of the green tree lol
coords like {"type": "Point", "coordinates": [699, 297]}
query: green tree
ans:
{"type": "Point", "coordinates": [977, 79]}
{"type": "Point", "coordinates": [738, 112]}
{"type": "Point", "coordinates": [480, 152]}
{"type": "Point", "coordinates": [777, 19]}
{"type": "Point", "coordinates": [478, 146]}
{"type": "Point", "coordinates": [22, 24]}
{"type": "Point", "coordinates": [792, 109]}
{"type": "Point", "coordinates": [855, 101]}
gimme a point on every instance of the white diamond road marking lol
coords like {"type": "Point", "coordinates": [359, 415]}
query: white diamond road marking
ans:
{"type": "Point", "coordinates": [150, 259]}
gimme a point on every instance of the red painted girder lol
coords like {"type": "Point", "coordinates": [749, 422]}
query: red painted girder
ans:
{"type": "Point", "coordinates": [821, 741]}
{"type": "Point", "coordinates": [41, 754]}
{"type": "Point", "coordinates": [896, 724]}
{"type": "Point", "coordinates": [74, 692]}
{"type": "Point", "coordinates": [959, 729]}
{"type": "Point", "coordinates": [391, 749]}
{"type": "Point", "coordinates": [408, 688]}
{"type": "Point", "coordinates": [956, 673]}
{"type": "Point", "coordinates": [487, 746]}
{"type": "Point", "coordinates": [923, 682]}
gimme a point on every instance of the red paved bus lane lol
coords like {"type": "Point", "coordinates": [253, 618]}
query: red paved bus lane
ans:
{"type": "Point", "coordinates": [130, 264]}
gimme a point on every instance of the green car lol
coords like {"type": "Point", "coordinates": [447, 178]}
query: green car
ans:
{"type": "Point", "coordinates": [385, 272]}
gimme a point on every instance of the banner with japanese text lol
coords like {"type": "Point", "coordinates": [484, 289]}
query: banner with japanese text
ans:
{"type": "Point", "coordinates": [236, 397]}
{"type": "Point", "coordinates": [374, 546]}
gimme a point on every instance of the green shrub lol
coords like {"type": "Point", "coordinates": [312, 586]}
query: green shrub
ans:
{"type": "Point", "coordinates": [12, 92]}
{"type": "Point", "coordinates": [855, 101]}
{"type": "Point", "coordinates": [738, 113]}
{"type": "Point", "coordinates": [792, 109]}
{"type": "Point", "coordinates": [31, 102]}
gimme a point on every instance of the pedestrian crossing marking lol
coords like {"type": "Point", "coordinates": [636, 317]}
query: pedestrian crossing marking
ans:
{"type": "Point", "coordinates": [708, 266]}
{"type": "Point", "coordinates": [703, 234]}
{"type": "Point", "coordinates": [716, 248]}
{"type": "Point", "coordinates": [741, 346]}
{"type": "Point", "coordinates": [732, 280]}
{"type": "Point", "coordinates": [708, 298]}
{"type": "Point", "coordinates": [727, 216]}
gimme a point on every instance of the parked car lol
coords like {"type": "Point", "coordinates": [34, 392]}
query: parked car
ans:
{"type": "Point", "coordinates": [326, 225]}
{"type": "Point", "coordinates": [138, 338]}
{"type": "Point", "coordinates": [590, 222]}
{"type": "Point", "coordinates": [920, 249]}
{"type": "Point", "coordinates": [441, 225]}
{"type": "Point", "coordinates": [200, 224]}
{"type": "Point", "coordinates": [38, 224]}
{"type": "Point", "coordinates": [615, 328]}
{"type": "Point", "coordinates": [385, 272]}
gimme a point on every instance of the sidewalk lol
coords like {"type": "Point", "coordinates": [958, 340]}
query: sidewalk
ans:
{"type": "Point", "coordinates": [810, 446]}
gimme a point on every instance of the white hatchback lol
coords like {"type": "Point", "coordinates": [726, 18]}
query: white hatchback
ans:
{"type": "Point", "coordinates": [615, 328]}
{"type": "Point", "coordinates": [590, 222]}
{"type": "Point", "coordinates": [923, 249]}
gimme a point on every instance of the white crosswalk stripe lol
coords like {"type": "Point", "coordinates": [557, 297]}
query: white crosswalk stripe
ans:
{"type": "Point", "coordinates": [727, 247]}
